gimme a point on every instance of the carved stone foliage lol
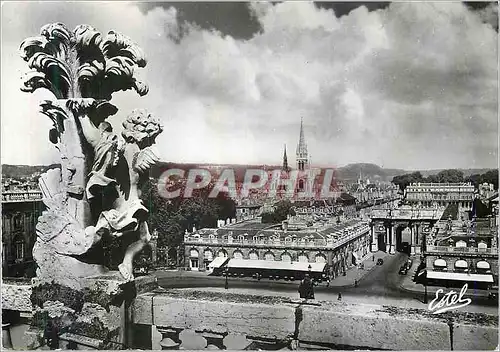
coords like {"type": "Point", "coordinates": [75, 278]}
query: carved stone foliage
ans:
{"type": "Point", "coordinates": [81, 63]}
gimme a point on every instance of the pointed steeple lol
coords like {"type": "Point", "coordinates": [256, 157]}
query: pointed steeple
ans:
{"type": "Point", "coordinates": [302, 157]}
{"type": "Point", "coordinates": [285, 160]}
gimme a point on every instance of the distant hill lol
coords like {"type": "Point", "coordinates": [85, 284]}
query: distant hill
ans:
{"type": "Point", "coordinates": [467, 172]}
{"type": "Point", "coordinates": [20, 171]}
{"type": "Point", "coordinates": [348, 173]}
{"type": "Point", "coordinates": [374, 172]}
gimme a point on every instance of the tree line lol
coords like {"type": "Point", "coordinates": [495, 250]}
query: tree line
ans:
{"type": "Point", "coordinates": [171, 218]}
{"type": "Point", "coordinates": [447, 176]}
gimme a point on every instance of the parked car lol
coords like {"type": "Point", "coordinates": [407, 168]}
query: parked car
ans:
{"type": "Point", "coordinates": [493, 292]}
{"type": "Point", "coordinates": [403, 270]}
{"type": "Point", "coordinates": [409, 263]}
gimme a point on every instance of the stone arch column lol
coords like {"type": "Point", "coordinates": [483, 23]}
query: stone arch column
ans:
{"type": "Point", "coordinates": [201, 258]}
{"type": "Point", "coordinates": [230, 252]}
{"type": "Point", "coordinates": [329, 258]}
{"type": "Point", "coordinates": [413, 242]}
{"type": "Point", "coordinates": [253, 252]}
{"type": "Point", "coordinates": [387, 238]}
{"type": "Point", "coordinates": [374, 237]}
{"type": "Point", "coordinates": [245, 252]}
{"type": "Point", "coordinates": [392, 249]}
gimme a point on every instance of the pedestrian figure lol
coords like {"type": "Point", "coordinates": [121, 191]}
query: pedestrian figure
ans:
{"type": "Point", "coordinates": [373, 258]}
{"type": "Point", "coordinates": [340, 297]}
{"type": "Point", "coordinates": [328, 282]}
{"type": "Point", "coordinates": [51, 335]}
{"type": "Point", "coordinates": [355, 283]}
{"type": "Point", "coordinates": [306, 289]}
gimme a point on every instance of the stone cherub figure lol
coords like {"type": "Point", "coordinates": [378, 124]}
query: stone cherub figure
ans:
{"type": "Point", "coordinates": [118, 170]}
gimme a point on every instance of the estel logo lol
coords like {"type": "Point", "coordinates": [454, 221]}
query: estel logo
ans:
{"type": "Point", "coordinates": [451, 300]}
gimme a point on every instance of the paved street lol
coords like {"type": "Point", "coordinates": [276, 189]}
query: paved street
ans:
{"type": "Point", "coordinates": [380, 286]}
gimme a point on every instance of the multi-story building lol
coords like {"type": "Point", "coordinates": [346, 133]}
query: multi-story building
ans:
{"type": "Point", "coordinates": [20, 211]}
{"type": "Point", "coordinates": [463, 251]}
{"type": "Point", "coordinates": [441, 194]}
{"type": "Point", "coordinates": [486, 191]}
{"type": "Point", "coordinates": [338, 245]}
{"type": "Point", "coordinates": [248, 211]}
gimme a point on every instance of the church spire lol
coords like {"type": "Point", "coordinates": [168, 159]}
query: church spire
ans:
{"type": "Point", "coordinates": [302, 157]}
{"type": "Point", "coordinates": [285, 160]}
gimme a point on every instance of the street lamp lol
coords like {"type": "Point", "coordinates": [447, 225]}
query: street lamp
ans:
{"type": "Point", "coordinates": [425, 292]}
{"type": "Point", "coordinates": [226, 285]}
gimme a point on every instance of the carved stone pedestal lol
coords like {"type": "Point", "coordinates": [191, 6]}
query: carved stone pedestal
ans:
{"type": "Point", "coordinates": [99, 311]}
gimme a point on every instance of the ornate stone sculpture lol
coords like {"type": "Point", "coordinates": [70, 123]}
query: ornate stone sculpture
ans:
{"type": "Point", "coordinates": [96, 191]}
{"type": "Point", "coordinates": [83, 69]}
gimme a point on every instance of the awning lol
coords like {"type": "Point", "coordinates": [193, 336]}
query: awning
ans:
{"type": "Point", "coordinates": [276, 265]}
{"type": "Point", "coordinates": [459, 276]}
{"type": "Point", "coordinates": [217, 262]}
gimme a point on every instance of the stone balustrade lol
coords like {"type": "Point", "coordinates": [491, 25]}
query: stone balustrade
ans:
{"type": "Point", "coordinates": [424, 214]}
{"type": "Point", "coordinates": [213, 320]}
{"type": "Point", "coordinates": [451, 249]}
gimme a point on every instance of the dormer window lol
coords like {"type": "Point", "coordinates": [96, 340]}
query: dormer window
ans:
{"type": "Point", "coordinates": [461, 244]}
{"type": "Point", "coordinates": [482, 246]}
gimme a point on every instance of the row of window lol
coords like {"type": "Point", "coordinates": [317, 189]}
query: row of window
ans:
{"type": "Point", "coordinates": [208, 256]}
{"type": "Point", "coordinates": [462, 264]}
{"type": "Point", "coordinates": [480, 245]}
{"type": "Point", "coordinates": [18, 250]}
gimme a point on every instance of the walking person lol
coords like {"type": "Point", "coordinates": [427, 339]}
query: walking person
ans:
{"type": "Point", "coordinates": [340, 297]}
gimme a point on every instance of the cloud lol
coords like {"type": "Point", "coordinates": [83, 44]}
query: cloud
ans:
{"type": "Point", "coordinates": [412, 85]}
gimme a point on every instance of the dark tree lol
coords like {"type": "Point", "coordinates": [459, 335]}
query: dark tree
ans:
{"type": "Point", "coordinates": [280, 213]}
{"type": "Point", "coordinates": [404, 180]}
{"type": "Point", "coordinates": [172, 217]}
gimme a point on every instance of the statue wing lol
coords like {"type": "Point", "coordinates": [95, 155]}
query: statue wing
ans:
{"type": "Point", "coordinates": [146, 158]}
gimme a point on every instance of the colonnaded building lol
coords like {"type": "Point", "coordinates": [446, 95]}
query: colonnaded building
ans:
{"type": "Point", "coordinates": [441, 194]}
{"type": "Point", "coordinates": [338, 245]}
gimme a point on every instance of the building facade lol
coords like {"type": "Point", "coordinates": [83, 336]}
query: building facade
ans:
{"type": "Point", "coordinates": [402, 229]}
{"type": "Point", "coordinates": [459, 251]}
{"type": "Point", "coordinates": [20, 212]}
{"type": "Point", "coordinates": [441, 194]}
{"type": "Point", "coordinates": [340, 246]}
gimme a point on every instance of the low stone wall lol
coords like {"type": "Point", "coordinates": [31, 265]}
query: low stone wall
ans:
{"type": "Point", "coordinates": [16, 296]}
{"type": "Point", "coordinates": [332, 325]}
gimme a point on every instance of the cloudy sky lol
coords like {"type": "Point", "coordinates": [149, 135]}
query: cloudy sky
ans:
{"type": "Point", "coordinates": [406, 85]}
